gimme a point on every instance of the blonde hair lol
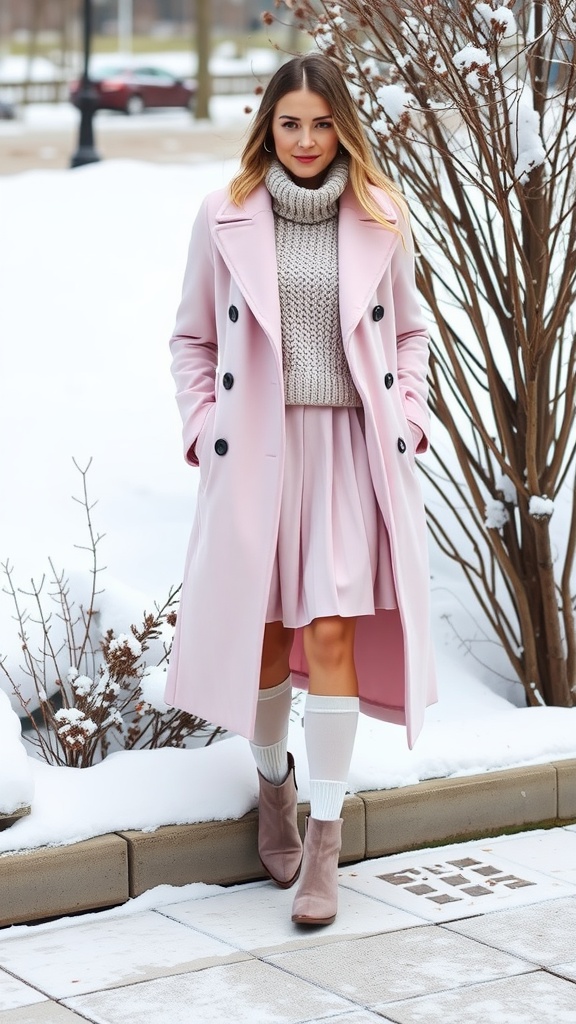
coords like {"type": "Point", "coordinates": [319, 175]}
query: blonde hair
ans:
{"type": "Point", "coordinates": [318, 74]}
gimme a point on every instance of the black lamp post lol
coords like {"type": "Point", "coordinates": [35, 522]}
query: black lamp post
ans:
{"type": "Point", "coordinates": [87, 98]}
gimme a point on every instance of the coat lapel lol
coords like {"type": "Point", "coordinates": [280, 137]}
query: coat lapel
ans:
{"type": "Point", "coordinates": [364, 252]}
{"type": "Point", "coordinates": [246, 240]}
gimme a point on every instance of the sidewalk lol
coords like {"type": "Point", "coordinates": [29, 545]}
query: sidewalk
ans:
{"type": "Point", "coordinates": [474, 933]}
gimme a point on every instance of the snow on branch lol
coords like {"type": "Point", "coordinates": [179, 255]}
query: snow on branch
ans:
{"type": "Point", "coordinates": [540, 508]}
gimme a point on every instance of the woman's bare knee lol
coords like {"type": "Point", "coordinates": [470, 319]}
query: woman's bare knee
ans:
{"type": "Point", "coordinates": [329, 641]}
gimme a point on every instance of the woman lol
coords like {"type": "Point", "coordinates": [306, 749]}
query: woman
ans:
{"type": "Point", "coordinates": [300, 359]}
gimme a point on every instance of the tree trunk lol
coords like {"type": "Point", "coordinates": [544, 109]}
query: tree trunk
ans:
{"type": "Point", "coordinates": [203, 25]}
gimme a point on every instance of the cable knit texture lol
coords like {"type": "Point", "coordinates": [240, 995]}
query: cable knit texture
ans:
{"type": "Point", "coordinates": [316, 370]}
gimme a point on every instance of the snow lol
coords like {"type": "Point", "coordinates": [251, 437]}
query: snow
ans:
{"type": "Point", "coordinates": [500, 20]}
{"type": "Point", "coordinates": [256, 61]}
{"type": "Point", "coordinates": [394, 101]}
{"type": "Point", "coordinates": [496, 514]}
{"type": "Point", "coordinates": [540, 507]}
{"type": "Point", "coordinates": [91, 280]}
{"type": "Point", "coordinates": [471, 60]}
{"type": "Point", "coordinates": [525, 136]}
{"type": "Point", "coordinates": [507, 489]}
{"type": "Point", "coordinates": [16, 776]}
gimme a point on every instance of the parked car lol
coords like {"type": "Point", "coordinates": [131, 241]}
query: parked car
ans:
{"type": "Point", "coordinates": [132, 90]}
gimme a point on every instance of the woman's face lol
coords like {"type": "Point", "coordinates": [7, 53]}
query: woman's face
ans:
{"type": "Point", "coordinates": [304, 136]}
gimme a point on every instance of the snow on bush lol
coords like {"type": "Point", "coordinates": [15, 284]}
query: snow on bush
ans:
{"type": "Point", "coordinates": [475, 64]}
{"type": "Point", "coordinates": [16, 784]}
{"type": "Point", "coordinates": [540, 507]}
{"type": "Point", "coordinates": [496, 515]}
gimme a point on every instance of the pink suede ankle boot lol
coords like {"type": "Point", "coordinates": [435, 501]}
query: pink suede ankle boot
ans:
{"type": "Point", "coordinates": [279, 842]}
{"type": "Point", "coordinates": [316, 901]}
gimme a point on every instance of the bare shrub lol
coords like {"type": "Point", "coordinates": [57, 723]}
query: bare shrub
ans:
{"type": "Point", "coordinates": [93, 691]}
{"type": "Point", "coordinates": [471, 109]}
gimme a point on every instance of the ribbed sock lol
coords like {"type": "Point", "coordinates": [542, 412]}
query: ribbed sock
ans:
{"type": "Point", "coordinates": [330, 729]}
{"type": "Point", "coordinates": [270, 743]}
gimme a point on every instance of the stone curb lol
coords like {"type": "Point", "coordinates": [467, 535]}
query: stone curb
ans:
{"type": "Point", "coordinates": [108, 870]}
{"type": "Point", "coordinates": [9, 819]}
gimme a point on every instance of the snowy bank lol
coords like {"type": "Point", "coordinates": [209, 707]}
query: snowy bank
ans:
{"type": "Point", "coordinates": [16, 776]}
{"type": "Point", "coordinates": [92, 276]}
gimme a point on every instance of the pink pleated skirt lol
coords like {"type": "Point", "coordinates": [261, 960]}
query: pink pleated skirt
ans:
{"type": "Point", "coordinates": [333, 551]}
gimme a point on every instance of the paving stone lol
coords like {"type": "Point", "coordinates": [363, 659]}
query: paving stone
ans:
{"type": "Point", "coordinates": [63, 962]}
{"type": "Point", "coordinates": [566, 774]}
{"type": "Point", "coordinates": [567, 970]}
{"type": "Point", "coordinates": [355, 1017]}
{"type": "Point", "coordinates": [258, 918]}
{"type": "Point", "coordinates": [531, 999]}
{"type": "Point", "coordinates": [550, 851]}
{"type": "Point", "coordinates": [444, 810]}
{"type": "Point", "coordinates": [13, 993]}
{"type": "Point", "coordinates": [53, 881]}
{"type": "Point", "coordinates": [542, 933]}
{"type": "Point", "coordinates": [42, 1013]}
{"type": "Point", "coordinates": [382, 968]}
{"type": "Point", "coordinates": [452, 882]}
{"type": "Point", "coordinates": [245, 993]}
{"type": "Point", "coordinates": [222, 852]}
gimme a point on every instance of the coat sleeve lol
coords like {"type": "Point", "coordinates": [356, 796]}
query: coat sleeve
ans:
{"type": "Point", "coordinates": [194, 342]}
{"type": "Point", "coordinates": [412, 342]}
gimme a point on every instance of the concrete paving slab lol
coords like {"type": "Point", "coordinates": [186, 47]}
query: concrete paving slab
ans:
{"type": "Point", "coordinates": [530, 999]}
{"type": "Point", "coordinates": [551, 852]}
{"type": "Point", "coordinates": [258, 918]}
{"type": "Point", "coordinates": [567, 970]}
{"type": "Point", "coordinates": [14, 993]}
{"type": "Point", "coordinates": [382, 968]}
{"type": "Point", "coordinates": [355, 1017]}
{"type": "Point", "coordinates": [54, 881]}
{"type": "Point", "coordinates": [62, 962]}
{"type": "Point", "coordinates": [566, 783]}
{"type": "Point", "coordinates": [41, 1013]}
{"type": "Point", "coordinates": [442, 810]}
{"type": "Point", "coordinates": [245, 993]}
{"type": "Point", "coordinates": [542, 934]}
{"type": "Point", "coordinates": [222, 852]}
{"type": "Point", "coordinates": [452, 882]}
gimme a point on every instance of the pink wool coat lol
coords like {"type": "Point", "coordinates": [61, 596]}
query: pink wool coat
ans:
{"type": "Point", "coordinates": [227, 364]}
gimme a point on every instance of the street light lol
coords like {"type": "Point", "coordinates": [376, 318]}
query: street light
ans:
{"type": "Point", "coordinates": [87, 99]}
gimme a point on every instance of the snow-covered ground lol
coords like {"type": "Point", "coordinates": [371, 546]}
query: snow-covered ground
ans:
{"type": "Point", "coordinates": [91, 264]}
{"type": "Point", "coordinates": [224, 61]}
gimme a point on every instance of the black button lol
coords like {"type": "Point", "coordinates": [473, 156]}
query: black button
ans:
{"type": "Point", "coordinates": [233, 314]}
{"type": "Point", "coordinates": [389, 380]}
{"type": "Point", "coordinates": [377, 313]}
{"type": "Point", "coordinates": [401, 445]}
{"type": "Point", "coordinates": [228, 381]}
{"type": "Point", "coordinates": [221, 446]}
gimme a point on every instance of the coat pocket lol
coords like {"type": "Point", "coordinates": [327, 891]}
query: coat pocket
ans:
{"type": "Point", "coordinates": [205, 434]}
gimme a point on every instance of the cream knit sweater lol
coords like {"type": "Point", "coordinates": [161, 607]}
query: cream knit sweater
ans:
{"type": "Point", "coordinates": [316, 370]}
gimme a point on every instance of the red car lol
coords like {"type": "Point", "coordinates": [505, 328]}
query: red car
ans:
{"type": "Point", "coordinates": [131, 90]}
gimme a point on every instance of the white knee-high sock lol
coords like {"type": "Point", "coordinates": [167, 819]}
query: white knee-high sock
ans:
{"type": "Point", "coordinates": [270, 743]}
{"type": "Point", "coordinates": [329, 730]}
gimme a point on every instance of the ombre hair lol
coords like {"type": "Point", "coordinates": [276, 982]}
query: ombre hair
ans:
{"type": "Point", "coordinates": [318, 74]}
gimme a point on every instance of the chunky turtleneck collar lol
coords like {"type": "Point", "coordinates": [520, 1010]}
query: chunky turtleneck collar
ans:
{"type": "Point", "coordinates": [307, 205]}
